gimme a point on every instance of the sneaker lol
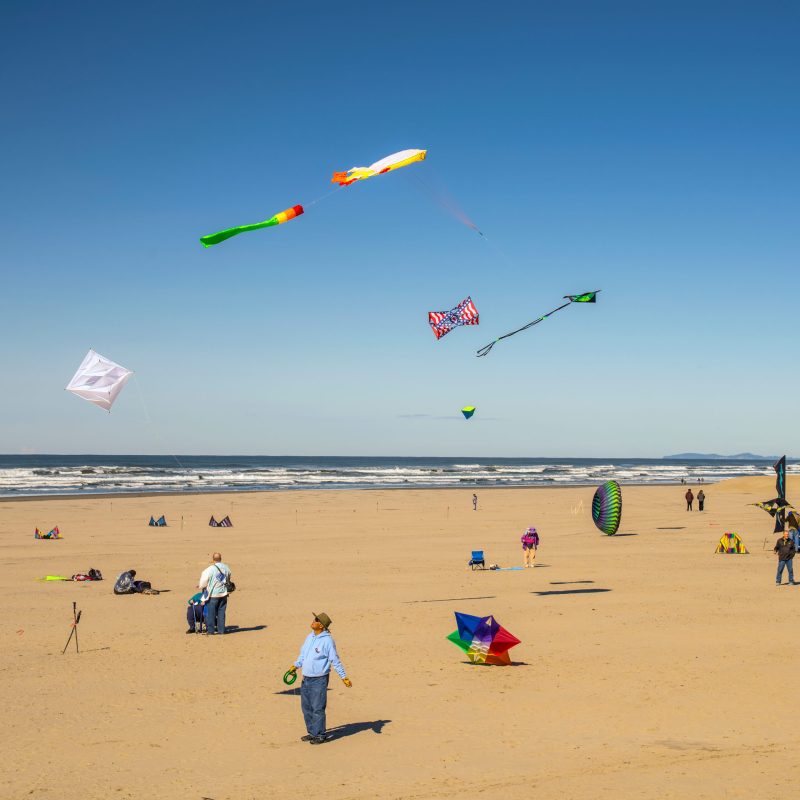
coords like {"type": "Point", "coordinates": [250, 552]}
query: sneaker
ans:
{"type": "Point", "coordinates": [319, 739]}
{"type": "Point", "coordinates": [307, 738]}
{"type": "Point", "coordinates": [191, 630]}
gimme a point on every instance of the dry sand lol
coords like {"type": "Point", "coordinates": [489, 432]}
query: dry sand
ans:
{"type": "Point", "coordinates": [650, 667]}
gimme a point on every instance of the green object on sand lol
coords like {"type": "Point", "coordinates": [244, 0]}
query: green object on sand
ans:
{"type": "Point", "coordinates": [54, 578]}
{"type": "Point", "coordinates": [289, 677]}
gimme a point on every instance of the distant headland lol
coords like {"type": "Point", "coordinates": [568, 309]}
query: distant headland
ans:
{"type": "Point", "coordinates": [718, 457]}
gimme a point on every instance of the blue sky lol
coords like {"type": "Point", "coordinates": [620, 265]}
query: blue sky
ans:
{"type": "Point", "coordinates": [647, 149]}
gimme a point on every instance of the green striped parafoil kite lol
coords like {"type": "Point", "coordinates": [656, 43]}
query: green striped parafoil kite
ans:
{"type": "Point", "coordinates": [607, 507]}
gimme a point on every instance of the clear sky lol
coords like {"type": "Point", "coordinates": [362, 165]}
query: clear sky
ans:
{"type": "Point", "coordinates": [647, 149]}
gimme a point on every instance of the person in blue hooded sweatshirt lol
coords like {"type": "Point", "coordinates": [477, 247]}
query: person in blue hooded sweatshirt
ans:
{"type": "Point", "coordinates": [317, 656]}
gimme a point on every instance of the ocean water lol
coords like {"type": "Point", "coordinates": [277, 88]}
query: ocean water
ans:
{"type": "Point", "coordinates": [22, 475]}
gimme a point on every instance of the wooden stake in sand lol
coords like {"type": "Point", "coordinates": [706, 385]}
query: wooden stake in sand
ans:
{"type": "Point", "coordinates": [76, 618]}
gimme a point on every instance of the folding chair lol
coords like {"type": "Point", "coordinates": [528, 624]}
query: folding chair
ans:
{"type": "Point", "coordinates": [477, 561]}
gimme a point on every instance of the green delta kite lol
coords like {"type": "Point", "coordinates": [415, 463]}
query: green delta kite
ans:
{"type": "Point", "coordinates": [586, 297]}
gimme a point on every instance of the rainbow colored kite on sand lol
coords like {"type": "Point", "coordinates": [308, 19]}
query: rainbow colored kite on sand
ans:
{"type": "Point", "coordinates": [483, 639]}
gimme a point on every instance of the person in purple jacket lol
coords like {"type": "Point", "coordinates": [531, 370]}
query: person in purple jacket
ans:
{"type": "Point", "coordinates": [530, 543]}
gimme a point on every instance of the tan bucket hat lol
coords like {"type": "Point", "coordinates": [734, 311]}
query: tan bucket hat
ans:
{"type": "Point", "coordinates": [323, 620]}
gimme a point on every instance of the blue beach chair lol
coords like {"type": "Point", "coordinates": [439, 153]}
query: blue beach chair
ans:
{"type": "Point", "coordinates": [477, 561]}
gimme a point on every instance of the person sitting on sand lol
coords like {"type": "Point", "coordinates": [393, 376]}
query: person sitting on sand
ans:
{"type": "Point", "coordinates": [125, 584]}
{"type": "Point", "coordinates": [530, 543]}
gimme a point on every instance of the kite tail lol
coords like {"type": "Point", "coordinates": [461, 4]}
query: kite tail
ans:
{"type": "Point", "coordinates": [484, 351]}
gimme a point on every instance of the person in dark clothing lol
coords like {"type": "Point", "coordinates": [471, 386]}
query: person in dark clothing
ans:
{"type": "Point", "coordinates": [689, 498]}
{"type": "Point", "coordinates": [701, 498]}
{"type": "Point", "coordinates": [474, 502]}
{"type": "Point", "coordinates": [784, 547]}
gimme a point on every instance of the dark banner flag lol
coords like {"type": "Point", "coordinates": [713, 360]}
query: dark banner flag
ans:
{"type": "Point", "coordinates": [780, 488]}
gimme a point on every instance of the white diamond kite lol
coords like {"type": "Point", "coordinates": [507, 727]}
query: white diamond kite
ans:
{"type": "Point", "coordinates": [98, 380]}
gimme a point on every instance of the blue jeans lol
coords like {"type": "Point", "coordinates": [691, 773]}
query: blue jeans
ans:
{"type": "Point", "coordinates": [215, 614]}
{"type": "Point", "coordinates": [313, 700]}
{"type": "Point", "coordinates": [781, 565]}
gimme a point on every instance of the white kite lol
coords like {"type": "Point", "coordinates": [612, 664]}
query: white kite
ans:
{"type": "Point", "coordinates": [392, 162]}
{"type": "Point", "coordinates": [98, 380]}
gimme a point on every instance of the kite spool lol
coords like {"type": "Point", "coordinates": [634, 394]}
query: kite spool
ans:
{"type": "Point", "coordinates": [289, 677]}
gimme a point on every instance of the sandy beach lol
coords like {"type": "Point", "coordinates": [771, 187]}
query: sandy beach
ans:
{"type": "Point", "coordinates": [649, 666]}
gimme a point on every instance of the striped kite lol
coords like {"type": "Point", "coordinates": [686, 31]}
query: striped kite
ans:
{"type": "Point", "coordinates": [442, 322]}
{"type": "Point", "coordinates": [586, 297]}
{"type": "Point", "coordinates": [392, 162]}
{"type": "Point", "coordinates": [607, 507]}
{"type": "Point", "coordinates": [278, 219]}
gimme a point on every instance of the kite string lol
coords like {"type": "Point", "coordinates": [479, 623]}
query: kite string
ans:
{"type": "Point", "coordinates": [487, 348]}
{"type": "Point", "coordinates": [322, 197]}
{"type": "Point", "coordinates": [149, 420]}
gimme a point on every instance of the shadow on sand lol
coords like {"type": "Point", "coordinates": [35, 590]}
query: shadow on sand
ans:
{"type": "Point", "coordinates": [571, 591]}
{"type": "Point", "coordinates": [567, 583]}
{"type": "Point", "coordinates": [352, 728]}
{"type": "Point", "coordinates": [236, 629]}
{"type": "Point", "coordinates": [451, 599]}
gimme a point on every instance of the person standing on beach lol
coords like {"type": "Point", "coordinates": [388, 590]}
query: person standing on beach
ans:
{"type": "Point", "coordinates": [474, 502]}
{"type": "Point", "coordinates": [317, 656]}
{"type": "Point", "coordinates": [213, 580]}
{"type": "Point", "coordinates": [530, 544]}
{"type": "Point", "coordinates": [689, 497]}
{"type": "Point", "coordinates": [701, 498]}
{"type": "Point", "coordinates": [784, 547]}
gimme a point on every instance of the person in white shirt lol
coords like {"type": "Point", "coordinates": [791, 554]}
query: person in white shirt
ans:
{"type": "Point", "coordinates": [213, 580]}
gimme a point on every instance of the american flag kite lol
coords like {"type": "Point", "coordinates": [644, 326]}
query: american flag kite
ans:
{"type": "Point", "coordinates": [443, 322]}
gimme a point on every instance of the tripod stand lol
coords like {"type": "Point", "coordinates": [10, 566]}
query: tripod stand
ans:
{"type": "Point", "coordinates": [76, 618]}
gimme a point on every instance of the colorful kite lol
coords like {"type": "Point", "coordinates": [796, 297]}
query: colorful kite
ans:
{"type": "Point", "coordinates": [442, 322]}
{"type": "Point", "coordinates": [392, 162]}
{"type": "Point", "coordinates": [586, 297]}
{"type": "Point", "coordinates": [53, 534]}
{"type": "Point", "coordinates": [777, 508]}
{"type": "Point", "coordinates": [730, 543]}
{"type": "Point", "coordinates": [483, 639]}
{"type": "Point", "coordinates": [780, 476]}
{"type": "Point", "coordinates": [98, 380]}
{"type": "Point", "coordinates": [278, 219]}
{"type": "Point", "coordinates": [607, 507]}
{"type": "Point", "coordinates": [468, 411]}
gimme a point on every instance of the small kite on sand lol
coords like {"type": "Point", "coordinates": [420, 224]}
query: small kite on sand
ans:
{"type": "Point", "coordinates": [483, 639]}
